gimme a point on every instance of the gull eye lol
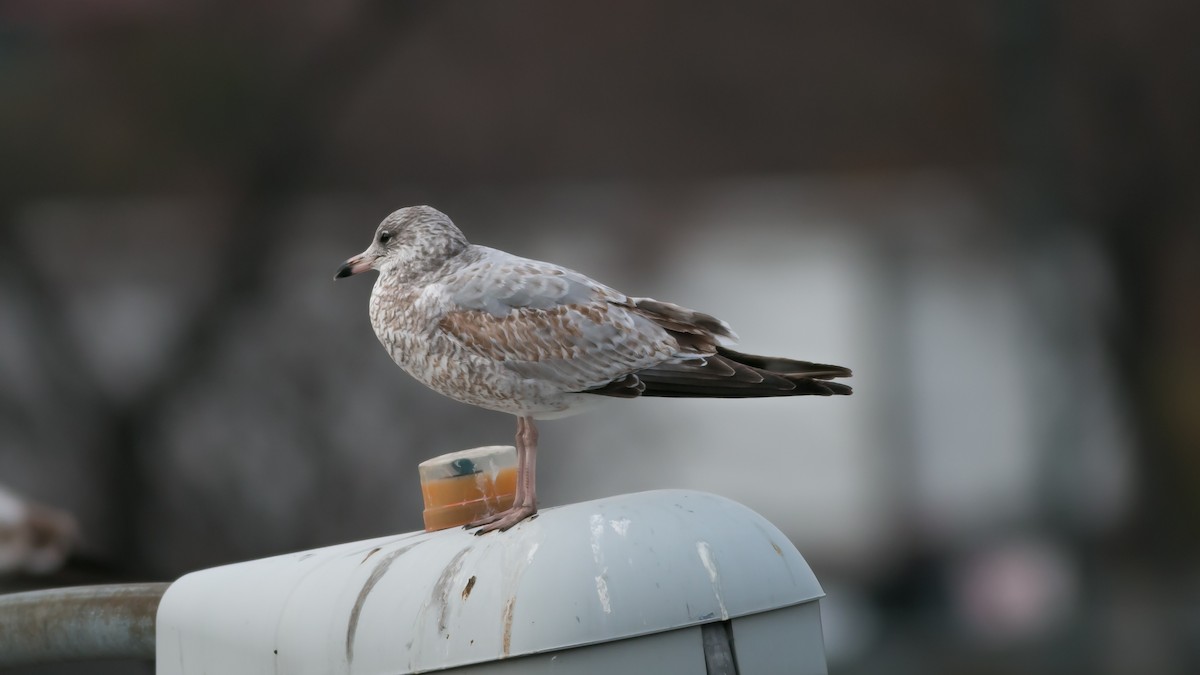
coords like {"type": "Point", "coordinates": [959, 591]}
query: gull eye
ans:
{"type": "Point", "coordinates": [384, 237]}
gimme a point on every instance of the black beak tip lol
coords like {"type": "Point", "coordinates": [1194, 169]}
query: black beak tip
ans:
{"type": "Point", "coordinates": [343, 271]}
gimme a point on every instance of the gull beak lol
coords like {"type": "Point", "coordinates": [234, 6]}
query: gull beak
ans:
{"type": "Point", "coordinates": [359, 263]}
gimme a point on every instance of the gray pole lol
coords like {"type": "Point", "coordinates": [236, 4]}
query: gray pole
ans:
{"type": "Point", "coordinates": [81, 623]}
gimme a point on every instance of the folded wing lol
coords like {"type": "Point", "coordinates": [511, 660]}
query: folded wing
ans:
{"type": "Point", "coordinates": [558, 326]}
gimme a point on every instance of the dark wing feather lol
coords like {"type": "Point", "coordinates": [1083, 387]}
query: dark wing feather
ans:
{"type": "Point", "coordinates": [726, 375]}
{"type": "Point", "coordinates": [722, 372]}
{"type": "Point", "coordinates": [775, 364]}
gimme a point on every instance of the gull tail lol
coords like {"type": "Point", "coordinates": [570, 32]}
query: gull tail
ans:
{"type": "Point", "coordinates": [730, 374]}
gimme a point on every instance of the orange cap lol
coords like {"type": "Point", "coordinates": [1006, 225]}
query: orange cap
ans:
{"type": "Point", "coordinates": [463, 486]}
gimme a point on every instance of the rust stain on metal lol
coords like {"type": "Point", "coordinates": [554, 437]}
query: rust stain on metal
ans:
{"type": "Point", "coordinates": [507, 619]}
{"type": "Point", "coordinates": [441, 588]}
{"type": "Point", "coordinates": [381, 568]}
{"type": "Point", "coordinates": [470, 584]}
{"type": "Point", "coordinates": [376, 550]}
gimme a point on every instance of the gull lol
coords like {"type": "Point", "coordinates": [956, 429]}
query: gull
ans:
{"type": "Point", "coordinates": [540, 341]}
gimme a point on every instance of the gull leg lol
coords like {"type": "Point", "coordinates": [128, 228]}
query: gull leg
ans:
{"type": "Point", "coordinates": [522, 460]}
{"type": "Point", "coordinates": [531, 443]}
{"type": "Point", "coordinates": [525, 500]}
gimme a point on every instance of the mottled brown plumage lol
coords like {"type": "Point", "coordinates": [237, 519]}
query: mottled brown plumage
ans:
{"type": "Point", "coordinates": [539, 341]}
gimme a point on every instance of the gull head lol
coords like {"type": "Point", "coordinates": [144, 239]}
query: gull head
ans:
{"type": "Point", "coordinates": [409, 242]}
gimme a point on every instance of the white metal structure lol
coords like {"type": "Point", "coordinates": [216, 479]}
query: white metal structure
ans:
{"type": "Point", "coordinates": [666, 582]}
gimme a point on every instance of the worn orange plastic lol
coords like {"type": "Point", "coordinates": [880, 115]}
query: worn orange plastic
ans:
{"type": "Point", "coordinates": [464, 486]}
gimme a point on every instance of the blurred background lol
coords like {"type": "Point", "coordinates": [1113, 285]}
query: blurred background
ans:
{"type": "Point", "coordinates": [988, 210]}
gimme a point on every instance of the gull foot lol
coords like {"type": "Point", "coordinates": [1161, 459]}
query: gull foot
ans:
{"type": "Point", "coordinates": [503, 520]}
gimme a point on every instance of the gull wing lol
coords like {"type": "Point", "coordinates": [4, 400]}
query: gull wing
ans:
{"type": "Point", "coordinates": [550, 323]}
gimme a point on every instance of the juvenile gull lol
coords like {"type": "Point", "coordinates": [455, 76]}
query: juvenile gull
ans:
{"type": "Point", "coordinates": [540, 341]}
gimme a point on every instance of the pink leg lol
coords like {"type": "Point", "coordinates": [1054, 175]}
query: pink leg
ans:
{"type": "Point", "coordinates": [525, 500]}
{"type": "Point", "coordinates": [522, 461]}
{"type": "Point", "coordinates": [528, 497]}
